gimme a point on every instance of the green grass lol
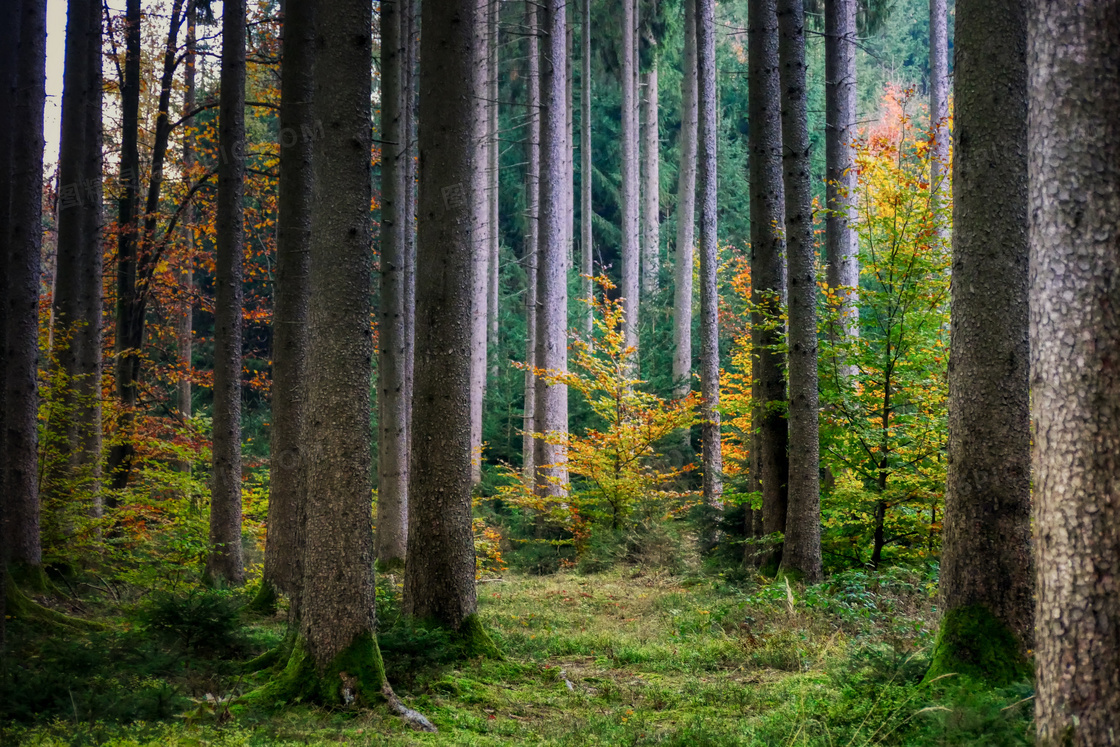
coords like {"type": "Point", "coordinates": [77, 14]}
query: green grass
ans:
{"type": "Point", "coordinates": [627, 657]}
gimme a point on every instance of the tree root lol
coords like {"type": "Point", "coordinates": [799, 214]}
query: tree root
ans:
{"type": "Point", "coordinates": [414, 719]}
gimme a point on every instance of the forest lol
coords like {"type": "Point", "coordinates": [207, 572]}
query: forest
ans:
{"type": "Point", "coordinates": [500, 372]}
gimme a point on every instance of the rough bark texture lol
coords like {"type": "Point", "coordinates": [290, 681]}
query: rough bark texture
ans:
{"type": "Point", "coordinates": [986, 553]}
{"type": "Point", "coordinates": [288, 488]}
{"type": "Point", "coordinates": [629, 209]}
{"type": "Point", "coordinates": [801, 554]}
{"type": "Point", "coordinates": [392, 445]}
{"type": "Point", "coordinates": [492, 182]}
{"type": "Point", "coordinates": [569, 147]}
{"type": "Point", "coordinates": [410, 66]}
{"type": "Point", "coordinates": [586, 211]}
{"type": "Point", "coordinates": [686, 209]}
{"type": "Point", "coordinates": [130, 312]}
{"type": "Point", "coordinates": [439, 571]}
{"type": "Point", "coordinates": [532, 233]}
{"type": "Point", "coordinates": [552, 256]}
{"type": "Point", "coordinates": [224, 561]}
{"type": "Point", "coordinates": [1074, 176]}
{"type": "Point", "coordinates": [77, 297]}
{"type": "Point", "coordinates": [185, 323]}
{"type": "Point", "coordinates": [481, 233]}
{"type": "Point", "coordinates": [709, 258]}
{"type": "Point", "coordinates": [939, 105]}
{"type": "Point", "coordinates": [337, 604]}
{"type": "Point", "coordinates": [840, 174]}
{"type": "Point", "coordinates": [767, 252]}
{"type": "Point", "coordinates": [24, 227]}
{"type": "Point", "coordinates": [651, 184]}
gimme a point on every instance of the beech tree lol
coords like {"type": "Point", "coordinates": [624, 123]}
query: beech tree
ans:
{"type": "Point", "coordinates": [1073, 63]}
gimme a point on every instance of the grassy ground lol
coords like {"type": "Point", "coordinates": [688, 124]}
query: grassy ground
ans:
{"type": "Point", "coordinates": [627, 657]}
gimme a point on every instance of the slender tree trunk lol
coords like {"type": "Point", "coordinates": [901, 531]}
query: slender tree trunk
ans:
{"type": "Point", "coordinates": [185, 331]}
{"type": "Point", "coordinates": [686, 208]}
{"type": "Point", "coordinates": [939, 111]}
{"type": "Point", "coordinates": [493, 180]}
{"type": "Point", "coordinates": [532, 188]}
{"type": "Point", "coordinates": [767, 283]}
{"type": "Point", "coordinates": [629, 228]}
{"type": "Point", "coordinates": [986, 570]}
{"type": "Point", "coordinates": [651, 185]}
{"type": "Point", "coordinates": [709, 257]}
{"type": "Point", "coordinates": [130, 311]}
{"type": "Point", "coordinates": [439, 579]}
{"type": "Point", "coordinates": [840, 172]}
{"type": "Point", "coordinates": [410, 80]}
{"type": "Point", "coordinates": [9, 61]}
{"type": "Point", "coordinates": [570, 144]}
{"type": "Point", "coordinates": [552, 257]}
{"type": "Point", "coordinates": [801, 554]}
{"type": "Point", "coordinates": [587, 268]}
{"type": "Point", "coordinates": [1073, 63]}
{"type": "Point", "coordinates": [77, 297]}
{"type": "Point", "coordinates": [481, 233]}
{"type": "Point", "coordinates": [24, 226]}
{"type": "Point", "coordinates": [288, 466]}
{"type": "Point", "coordinates": [225, 561]}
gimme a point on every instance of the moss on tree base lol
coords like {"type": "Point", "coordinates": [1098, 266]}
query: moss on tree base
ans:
{"type": "Point", "coordinates": [974, 643]}
{"type": "Point", "coordinates": [354, 677]}
{"type": "Point", "coordinates": [264, 603]}
{"type": "Point", "coordinates": [474, 639]}
{"type": "Point", "coordinates": [21, 607]}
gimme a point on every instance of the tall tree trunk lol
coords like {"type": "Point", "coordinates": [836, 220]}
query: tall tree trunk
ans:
{"type": "Point", "coordinates": [767, 283]}
{"type": "Point", "coordinates": [939, 111]}
{"type": "Point", "coordinates": [481, 233]}
{"type": "Point", "coordinates": [1073, 63]}
{"type": "Point", "coordinates": [338, 656]}
{"type": "Point", "coordinates": [392, 482]}
{"type": "Point", "coordinates": [130, 311]}
{"type": "Point", "coordinates": [801, 554]}
{"type": "Point", "coordinates": [493, 181]}
{"type": "Point", "coordinates": [986, 570]}
{"type": "Point", "coordinates": [77, 297]}
{"type": "Point", "coordinates": [709, 257]}
{"type": "Point", "coordinates": [184, 330]}
{"type": "Point", "coordinates": [439, 579]}
{"type": "Point", "coordinates": [840, 172]}
{"type": "Point", "coordinates": [569, 145]}
{"type": "Point", "coordinates": [552, 256]}
{"type": "Point", "coordinates": [410, 81]}
{"type": "Point", "coordinates": [288, 467]}
{"type": "Point", "coordinates": [224, 561]}
{"type": "Point", "coordinates": [686, 208]}
{"type": "Point", "coordinates": [24, 237]}
{"type": "Point", "coordinates": [532, 232]}
{"type": "Point", "coordinates": [651, 184]}
{"type": "Point", "coordinates": [586, 245]}
{"type": "Point", "coordinates": [629, 132]}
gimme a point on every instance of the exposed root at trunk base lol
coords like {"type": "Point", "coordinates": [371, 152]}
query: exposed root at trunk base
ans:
{"type": "Point", "coordinates": [19, 606]}
{"type": "Point", "coordinates": [415, 719]}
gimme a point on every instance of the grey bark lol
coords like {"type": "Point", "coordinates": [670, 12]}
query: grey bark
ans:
{"type": "Point", "coordinates": [184, 327]}
{"type": "Point", "coordinates": [77, 298]}
{"type": "Point", "coordinates": [709, 257]}
{"type": "Point", "coordinates": [767, 281]}
{"type": "Point", "coordinates": [651, 184]}
{"type": "Point", "coordinates": [629, 288]}
{"type": "Point", "coordinates": [801, 554]}
{"type": "Point", "coordinates": [410, 81]}
{"type": "Point", "coordinates": [392, 481]}
{"type": "Point", "coordinates": [493, 180]}
{"type": "Point", "coordinates": [552, 253]}
{"type": "Point", "coordinates": [840, 174]}
{"type": "Point", "coordinates": [939, 110]}
{"type": "Point", "coordinates": [569, 148]}
{"type": "Point", "coordinates": [586, 210]}
{"type": "Point", "coordinates": [1073, 63]}
{"type": "Point", "coordinates": [439, 571]}
{"type": "Point", "coordinates": [9, 43]}
{"type": "Point", "coordinates": [338, 603]}
{"type": "Point", "coordinates": [24, 238]}
{"type": "Point", "coordinates": [686, 208]}
{"type": "Point", "coordinates": [224, 561]}
{"type": "Point", "coordinates": [532, 233]}
{"type": "Point", "coordinates": [481, 233]}
{"type": "Point", "coordinates": [986, 554]}
{"type": "Point", "coordinates": [288, 467]}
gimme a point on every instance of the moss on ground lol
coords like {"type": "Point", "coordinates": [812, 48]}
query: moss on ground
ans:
{"type": "Point", "coordinates": [974, 643]}
{"type": "Point", "coordinates": [353, 678]}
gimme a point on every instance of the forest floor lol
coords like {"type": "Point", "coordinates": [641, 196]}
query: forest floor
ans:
{"type": "Point", "coordinates": [631, 656]}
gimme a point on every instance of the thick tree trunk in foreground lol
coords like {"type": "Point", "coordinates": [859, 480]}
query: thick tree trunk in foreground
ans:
{"type": "Point", "coordinates": [686, 208]}
{"type": "Point", "coordinates": [840, 173]}
{"type": "Point", "coordinates": [288, 468]}
{"type": "Point", "coordinates": [767, 283]}
{"type": "Point", "coordinates": [225, 561]}
{"type": "Point", "coordinates": [24, 214]}
{"type": "Point", "coordinates": [651, 184]}
{"type": "Point", "coordinates": [987, 579]}
{"type": "Point", "coordinates": [392, 482]}
{"type": "Point", "coordinates": [77, 298]}
{"type": "Point", "coordinates": [939, 106]}
{"type": "Point", "coordinates": [709, 258]}
{"type": "Point", "coordinates": [586, 210]}
{"type": "Point", "coordinates": [801, 554]}
{"type": "Point", "coordinates": [439, 579]}
{"type": "Point", "coordinates": [532, 233]}
{"type": "Point", "coordinates": [629, 287]}
{"type": "Point", "coordinates": [552, 256]}
{"type": "Point", "coordinates": [1074, 173]}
